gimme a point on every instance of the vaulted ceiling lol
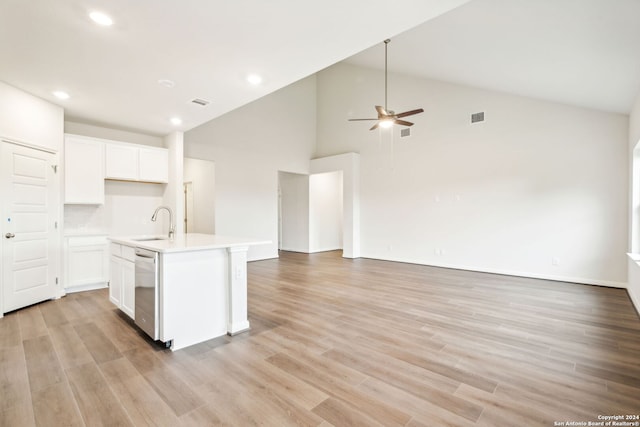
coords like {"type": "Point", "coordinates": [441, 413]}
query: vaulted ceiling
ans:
{"type": "Point", "coordinates": [207, 48]}
{"type": "Point", "coordinates": [579, 52]}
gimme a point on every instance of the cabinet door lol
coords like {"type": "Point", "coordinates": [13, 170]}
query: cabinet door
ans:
{"type": "Point", "coordinates": [154, 165]}
{"type": "Point", "coordinates": [115, 284]}
{"type": "Point", "coordinates": [128, 288]}
{"type": "Point", "coordinates": [121, 162]}
{"type": "Point", "coordinates": [83, 171]}
{"type": "Point", "coordinates": [87, 261]}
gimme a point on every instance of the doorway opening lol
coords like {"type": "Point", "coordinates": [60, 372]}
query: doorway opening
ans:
{"type": "Point", "coordinates": [310, 212]}
{"type": "Point", "coordinates": [199, 196]}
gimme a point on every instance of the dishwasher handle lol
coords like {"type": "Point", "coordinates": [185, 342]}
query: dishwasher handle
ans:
{"type": "Point", "coordinates": [144, 253]}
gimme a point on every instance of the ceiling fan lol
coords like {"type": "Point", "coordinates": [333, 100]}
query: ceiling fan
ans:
{"type": "Point", "coordinates": [386, 118]}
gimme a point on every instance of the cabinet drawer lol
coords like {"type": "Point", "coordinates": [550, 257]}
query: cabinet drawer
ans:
{"type": "Point", "coordinates": [116, 249]}
{"type": "Point", "coordinates": [129, 253]}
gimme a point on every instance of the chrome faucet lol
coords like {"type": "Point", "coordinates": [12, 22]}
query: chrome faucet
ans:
{"type": "Point", "coordinates": [172, 227]}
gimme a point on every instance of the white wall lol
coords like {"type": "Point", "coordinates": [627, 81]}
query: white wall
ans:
{"type": "Point", "coordinates": [249, 146]}
{"type": "Point", "coordinates": [294, 212]}
{"type": "Point", "coordinates": [110, 133]}
{"type": "Point", "coordinates": [28, 119]}
{"type": "Point", "coordinates": [634, 211]}
{"type": "Point", "coordinates": [31, 121]}
{"type": "Point", "coordinates": [325, 211]}
{"type": "Point", "coordinates": [536, 181]}
{"type": "Point", "coordinates": [201, 175]}
{"type": "Point", "coordinates": [174, 191]}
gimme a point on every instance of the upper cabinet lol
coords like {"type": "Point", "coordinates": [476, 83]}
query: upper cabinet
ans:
{"type": "Point", "coordinates": [83, 170]}
{"type": "Point", "coordinates": [89, 161]}
{"type": "Point", "coordinates": [121, 161]}
{"type": "Point", "coordinates": [153, 165]}
{"type": "Point", "coordinates": [131, 162]}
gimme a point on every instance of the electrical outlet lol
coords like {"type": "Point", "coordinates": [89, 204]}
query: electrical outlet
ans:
{"type": "Point", "coordinates": [555, 261]}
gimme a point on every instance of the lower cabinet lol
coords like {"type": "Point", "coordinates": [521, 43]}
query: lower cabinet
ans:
{"type": "Point", "coordinates": [123, 276]}
{"type": "Point", "coordinates": [128, 288]}
{"type": "Point", "coordinates": [115, 284]}
{"type": "Point", "coordinates": [86, 262]}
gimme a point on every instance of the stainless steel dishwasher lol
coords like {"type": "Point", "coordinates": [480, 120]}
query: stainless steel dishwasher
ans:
{"type": "Point", "coordinates": [146, 292]}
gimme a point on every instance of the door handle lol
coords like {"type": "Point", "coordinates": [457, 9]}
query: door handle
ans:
{"type": "Point", "coordinates": [9, 235]}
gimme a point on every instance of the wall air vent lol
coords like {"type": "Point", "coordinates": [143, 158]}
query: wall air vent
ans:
{"type": "Point", "coordinates": [477, 117]}
{"type": "Point", "coordinates": [405, 132]}
{"type": "Point", "coordinates": [200, 102]}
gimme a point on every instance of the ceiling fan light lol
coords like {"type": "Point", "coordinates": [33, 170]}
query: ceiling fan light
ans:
{"type": "Point", "coordinates": [101, 18]}
{"type": "Point", "coordinates": [386, 123]}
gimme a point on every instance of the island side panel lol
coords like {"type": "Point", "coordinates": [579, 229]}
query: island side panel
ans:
{"type": "Point", "coordinates": [238, 320]}
{"type": "Point", "coordinates": [193, 296]}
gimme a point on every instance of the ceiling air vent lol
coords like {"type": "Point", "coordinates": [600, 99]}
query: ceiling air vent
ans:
{"type": "Point", "coordinates": [405, 132]}
{"type": "Point", "coordinates": [200, 102]}
{"type": "Point", "coordinates": [477, 117]}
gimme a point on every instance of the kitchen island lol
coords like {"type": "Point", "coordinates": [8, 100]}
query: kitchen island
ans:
{"type": "Point", "coordinates": [200, 285]}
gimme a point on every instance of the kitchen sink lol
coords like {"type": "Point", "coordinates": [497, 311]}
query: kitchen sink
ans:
{"type": "Point", "coordinates": [149, 239]}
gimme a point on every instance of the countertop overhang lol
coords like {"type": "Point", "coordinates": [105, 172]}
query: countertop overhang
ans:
{"type": "Point", "coordinates": [187, 242]}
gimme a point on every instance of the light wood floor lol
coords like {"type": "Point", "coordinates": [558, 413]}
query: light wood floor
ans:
{"type": "Point", "coordinates": [336, 342]}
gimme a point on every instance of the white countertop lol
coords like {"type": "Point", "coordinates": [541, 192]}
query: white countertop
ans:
{"type": "Point", "coordinates": [187, 242]}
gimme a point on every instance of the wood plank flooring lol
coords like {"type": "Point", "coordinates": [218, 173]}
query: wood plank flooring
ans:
{"type": "Point", "coordinates": [336, 342]}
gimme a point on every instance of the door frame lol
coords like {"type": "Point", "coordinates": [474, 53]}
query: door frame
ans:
{"type": "Point", "coordinates": [58, 182]}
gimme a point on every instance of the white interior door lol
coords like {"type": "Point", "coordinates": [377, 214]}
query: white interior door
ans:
{"type": "Point", "coordinates": [30, 247]}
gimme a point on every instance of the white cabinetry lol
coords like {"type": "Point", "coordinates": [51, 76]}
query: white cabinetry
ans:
{"type": "Point", "coordinates": [122, 283]}
{"type": "Point", "coordinates": [121, 161]}
{"type": "Point", "coordinates": [86, 265]}
{"type": "Point", "coordinates": [130, 162]}
{"type": "Point", "coordinates": [153, 165]}
{"type": "Point", "coordinates": [115, 283]}
{"type": "Point", "coordinates": [83, 170]}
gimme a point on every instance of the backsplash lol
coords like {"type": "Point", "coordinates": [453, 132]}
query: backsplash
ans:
{"type": "Point", "coordinates": [84, 219]}
{"type": "Point", "coordinates": [127, 211]}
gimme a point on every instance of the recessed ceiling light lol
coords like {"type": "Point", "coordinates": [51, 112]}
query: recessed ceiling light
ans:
{"type": "Point", "coordinates": [101, 18]}
{"type": "Point", "coordinates": [61, 94]}
{"type": "Point", "coordinates": [166, 83]}
{"type": "Point", "coordinates": [176, 121]}
{"type": "Point", "coordinates": [254, 79]}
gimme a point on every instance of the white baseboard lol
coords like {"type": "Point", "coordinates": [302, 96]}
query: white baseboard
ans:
{"type": "Point", "coordinates": [82, 288]}
{"type": "Point", "coordinates": [555, 278]}
{"type": "Point", "coordinates": [315, 251]}
{"type": "Point", "coordinates": [635, 300]}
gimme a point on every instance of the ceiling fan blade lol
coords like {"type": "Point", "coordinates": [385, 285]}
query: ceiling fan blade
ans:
{"type": "Point", "coordinates": [375, 126]}
{"type": "Point", "coordinates": [358, 120]}
{"type": "Point", "coordinates": [381, 111]}
{"type": "Point", "coordinates": [410, 113]}
{"type": "Point", "coordinates": [403, 123]}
